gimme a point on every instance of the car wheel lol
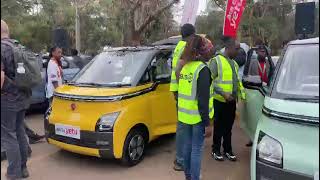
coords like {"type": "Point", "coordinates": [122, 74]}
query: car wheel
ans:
{"type": "Point", "coordinates": [134, 147]}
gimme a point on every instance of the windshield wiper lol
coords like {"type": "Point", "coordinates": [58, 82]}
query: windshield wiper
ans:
{"type": "Point", "coordinates": [86, 84]}
{"type": "Point", "coordinates": [71, 83]}
{"type": "Point", "coordinates": [309, 99]}
{"type": "Point", "coordinates": [98, 85]}
{"type": "Point", "coordinates": [116, 85]}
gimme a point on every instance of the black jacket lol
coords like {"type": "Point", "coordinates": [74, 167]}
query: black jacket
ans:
{"type": "Point", "coordinates": [203, 94]}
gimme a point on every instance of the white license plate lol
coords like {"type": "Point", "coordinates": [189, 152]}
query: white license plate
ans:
{"type": "Point", "coordinates": [316, 176]}
{"type": "Point", "coordinates": [67, 131]}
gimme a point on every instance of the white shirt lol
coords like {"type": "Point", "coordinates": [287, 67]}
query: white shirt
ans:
{"type": "Point", "coordinates": [52, 75]}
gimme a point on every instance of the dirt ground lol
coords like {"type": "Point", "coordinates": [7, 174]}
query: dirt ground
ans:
{"type": "Point", "coordinates": [50, 163]}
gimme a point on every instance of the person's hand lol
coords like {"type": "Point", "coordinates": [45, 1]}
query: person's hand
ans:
{"type": "Point", "coordinates": [241, 103]}
{"type": "Point", "coordinates": [228, 97]}
{"type": "Point", "coordinates": [264, 84]}
{"type": "Point", "coordinates": [208, 131]}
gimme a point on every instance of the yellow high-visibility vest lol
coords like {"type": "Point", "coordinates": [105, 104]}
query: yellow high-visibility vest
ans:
{"type": "Point", "coordinates": [188, 111]}
{"type": "Point", "coordinates": [176, 57]}
{"type": "Point", "coordinates": [224, 79]}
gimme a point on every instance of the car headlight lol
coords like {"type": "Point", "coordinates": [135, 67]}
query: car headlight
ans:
{"type": "Point", "coordinates": [106, 122]}
{"type": "Point", "coordinates": [269, 150]}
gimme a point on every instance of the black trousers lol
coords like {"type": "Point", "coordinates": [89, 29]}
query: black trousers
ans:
{"type": "Point", "coordinates": [224, 115]}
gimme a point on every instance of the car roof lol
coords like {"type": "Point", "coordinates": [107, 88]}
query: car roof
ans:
{"type": "Point", "coordinates": [169, 41]}
{"type": "Point", "coordinates": [140, 48]}
{"type": "Point", "coordinates": [173, 40]}
{"type": "Point", "coordinates": [305, 41]}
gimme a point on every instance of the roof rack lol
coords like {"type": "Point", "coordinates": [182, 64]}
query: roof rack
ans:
{"type": "Point", "coordinates": [138, 48]}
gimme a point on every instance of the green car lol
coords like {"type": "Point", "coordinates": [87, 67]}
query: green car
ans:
{"type": "Point", "coordinates": [282, 117]}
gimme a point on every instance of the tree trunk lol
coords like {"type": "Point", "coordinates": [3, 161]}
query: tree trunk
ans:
{"type": "Point", "coordinates": [130, 29]}
{"type": "Point", "coordinates": [135, 33]}
{"type": "Point", "coordinates": [135, 38]}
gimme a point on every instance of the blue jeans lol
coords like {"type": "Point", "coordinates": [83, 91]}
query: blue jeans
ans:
{"type": "Point", "coordinates": [14, 141]}
{"type": "Point", "coordinates": [179, 137]}
{"type": "Point", "coordinates": [193, 148]}
{"type": "Point", "coordinates": [179, 143]}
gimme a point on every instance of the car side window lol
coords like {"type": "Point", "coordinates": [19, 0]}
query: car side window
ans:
{"type": "Point", "coordinates": [72, 65]}
{"type": "Point", "coordinates": [161, 67]}
{"type": "Point", "coordinates": [145, 78]}
{"type": "Point", "coordinates": [251, 68]}
{"type": "Point", "coordinates": [65, 64]}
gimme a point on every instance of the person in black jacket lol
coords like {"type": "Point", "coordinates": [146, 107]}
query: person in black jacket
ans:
{"type": "Point", "coordinates": [241, 56]}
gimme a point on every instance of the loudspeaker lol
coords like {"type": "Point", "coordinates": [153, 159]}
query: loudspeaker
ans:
{"type": "Point", "coordinates": [305, 18]}
{"type": "Point", "coordinates": [60, 38]}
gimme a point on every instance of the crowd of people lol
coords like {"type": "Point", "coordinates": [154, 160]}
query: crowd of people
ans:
{"type": "Point", "coordinates": [205, 82]}
{"type": "Point", "coordinates": [207, 86]}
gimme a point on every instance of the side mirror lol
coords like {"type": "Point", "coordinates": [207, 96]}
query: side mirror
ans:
{"type": "Point", "coordinates": [65, 64]}
{"type": "Point", "coordinates": [252, 82]}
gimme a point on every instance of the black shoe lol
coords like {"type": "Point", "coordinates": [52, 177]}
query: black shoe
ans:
{"type": "Point", "coordinates": [25, 172]}
{"type": "Point", "coordinates": [35, 139]}
{"type": "Point", "coordinates": [249, 144]}
{"type": "Point", "coordinates": [231, 156]}
{"type": "Point", "coordinates": [217, 156]}
{"type": "Point", "coordinates": [177, 166]}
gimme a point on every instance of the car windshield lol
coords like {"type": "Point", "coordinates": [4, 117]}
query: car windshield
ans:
{"type": "Point", "coordinates": [114, 68]}
{"type": "Point", "coordinates": [298, 77]}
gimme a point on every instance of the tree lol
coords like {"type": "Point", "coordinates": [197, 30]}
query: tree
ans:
{"type": "Point", "coordinates": [269, 20]}
{"type": "Point", "coordinates": [211, 23]}
{"type": "Point", "coordinates": [103, 22]}
{"type": "Point", "coordinates": [140, 14]}
{"type": "Point", "coordinates": [10, 8]}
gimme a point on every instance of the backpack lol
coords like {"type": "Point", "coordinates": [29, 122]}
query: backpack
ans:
{"type": "Point", "coordinates": [27, 69]}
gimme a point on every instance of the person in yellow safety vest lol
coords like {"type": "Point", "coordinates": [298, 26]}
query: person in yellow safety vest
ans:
{"type": "Point", "coordinates": [187, 31]}
{"type": "Point", "coordinates": [227, 88]}
{"type": "Point", "coordinates": [194, 109]}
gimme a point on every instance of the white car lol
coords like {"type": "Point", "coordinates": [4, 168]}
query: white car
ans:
{"type": "Point", "coordinates": [275, 59]}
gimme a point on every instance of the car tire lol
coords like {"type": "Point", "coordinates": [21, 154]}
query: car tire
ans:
{"type": "Point", "coordinates": [134, 147]}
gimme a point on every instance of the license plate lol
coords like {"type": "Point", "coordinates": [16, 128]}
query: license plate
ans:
{"type": "Point", "coordinates": [67, 131]}
{"type": "Point", "coordinates": [316, 176]}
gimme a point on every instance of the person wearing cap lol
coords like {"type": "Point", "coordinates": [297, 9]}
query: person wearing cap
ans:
{"type": "Point", "coordinates": [227, 89]}
{"type": "Point", "coordinates": [260, 66]}
{"type": "Point", "coordinates": [187, 31]}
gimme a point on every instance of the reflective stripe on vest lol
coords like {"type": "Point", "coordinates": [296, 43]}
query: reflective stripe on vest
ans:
{"type": "Point", "coordinates": [224, 81]}
{"type": "Point", "coordinates": [176, 56]}
{"type": "Point", "coordinates": [188, 111]}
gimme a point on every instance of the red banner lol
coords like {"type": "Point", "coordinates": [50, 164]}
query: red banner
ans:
{"type": "Point", "coordinates": [232, 17]}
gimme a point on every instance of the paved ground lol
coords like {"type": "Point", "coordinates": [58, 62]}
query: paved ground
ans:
{"type": "Point", "coordinates": [48, 162]}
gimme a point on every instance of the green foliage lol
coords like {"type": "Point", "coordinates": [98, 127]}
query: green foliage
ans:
{"type": "Point", "coordinates": [269, 20]}
{"type": "Point", "coordinates": [11, 7]}
{"type": "Point", "coordinates": [34, 33]}
{"type": "Point", "coordinates": [212, 25]}
{"type": "Point", "coordinates": [102, 23]}
{"type": "Point", "coordinates": [105, 22]}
